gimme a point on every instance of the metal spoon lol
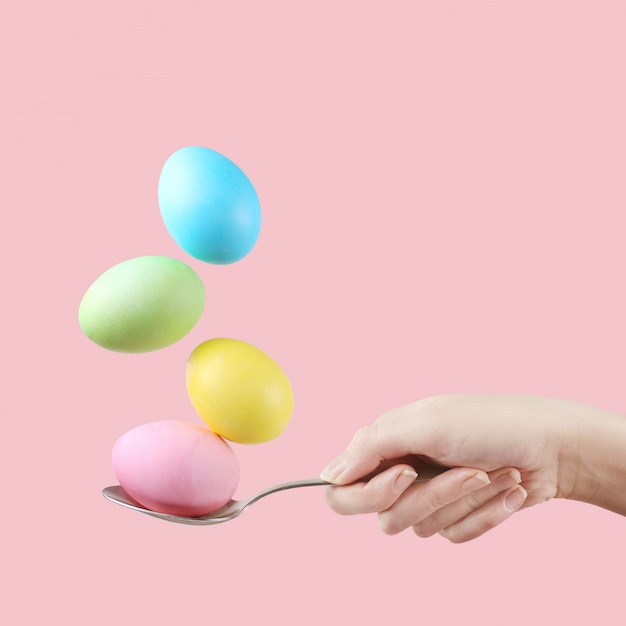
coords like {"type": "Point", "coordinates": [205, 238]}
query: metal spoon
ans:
{"type": "Point", "coordinates": [228, 512]}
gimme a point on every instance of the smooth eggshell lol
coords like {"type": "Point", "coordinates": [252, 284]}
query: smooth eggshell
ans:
{"type": "Point", "coordinates": [239, 391]}
{"type": "Point", "coordinates": [209, 205]}
{"type": "Point", "coordinates": [142, 304]}
{"type": "Point", "coordinates": [176, 467]}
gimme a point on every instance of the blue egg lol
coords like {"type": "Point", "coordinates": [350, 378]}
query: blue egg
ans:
{"type": "Point", "coordinates": [209, 205]}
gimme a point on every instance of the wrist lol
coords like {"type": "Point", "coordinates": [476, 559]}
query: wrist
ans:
{"type": "Point", "coordinates": [592, 464]}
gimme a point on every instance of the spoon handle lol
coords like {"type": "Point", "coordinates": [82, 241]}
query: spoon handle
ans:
{"type": "Point", "coordinates": [306, 482]}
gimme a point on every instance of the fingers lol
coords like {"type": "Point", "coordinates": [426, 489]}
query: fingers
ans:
{"type": "Point", "coordinates": [461, 519]}
{"type": "Point", "coordinates": [487, 517]}
{"type": "Point", "coordinates": [409, 511]}
{"type": "Point", "coordinates": [448, 496]}
{"type": "Point", "coordinates": [377, 494]}
{"type": "Point", "coordinates": [384, 493]}
{"type": "Point", "coordinates": [460, 504]}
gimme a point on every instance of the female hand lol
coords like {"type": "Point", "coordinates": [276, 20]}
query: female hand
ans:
{"type": "Point", "coordinates": [505, 452]}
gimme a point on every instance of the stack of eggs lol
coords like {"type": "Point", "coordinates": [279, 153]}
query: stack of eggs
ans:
{"type": "Point", "coordinates": [143, 304]}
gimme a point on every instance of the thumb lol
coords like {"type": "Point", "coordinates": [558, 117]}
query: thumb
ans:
{"type": "Point", "coordinates": [370, 446]}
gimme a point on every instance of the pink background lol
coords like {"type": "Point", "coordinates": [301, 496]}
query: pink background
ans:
{"type": "Point", "coordinates": [443, 194]}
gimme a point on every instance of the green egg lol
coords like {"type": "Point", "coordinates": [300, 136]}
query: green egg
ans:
{"type": "Point", "coordinates": [142, 304]}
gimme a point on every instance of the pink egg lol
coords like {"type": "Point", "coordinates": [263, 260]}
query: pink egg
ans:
{"type": "Point", "coordinates": [176, 467]}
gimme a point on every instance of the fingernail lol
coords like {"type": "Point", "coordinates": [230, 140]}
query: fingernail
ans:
{"type": "Point", "coordinates": [476, 481]}
{"type": "Point", "coordinates": [404, 480]}
{"type": "Point", "coordinates": [510, 479]}
{"type": "Point", "coordinates": [515, 499]}
{"type": "Point", "coordinates": [333, 470]}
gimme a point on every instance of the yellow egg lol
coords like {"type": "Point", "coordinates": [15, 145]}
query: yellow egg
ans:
{"type": "Point", "coordinates": [239, 391]}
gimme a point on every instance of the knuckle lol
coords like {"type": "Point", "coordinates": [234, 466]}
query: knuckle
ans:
{"type": "Point", "coordinates": [473, 501]}
{"type": "Point", "coordinates": [333, 502]}
{"type": "Point", "coordinates": [385, 417]}
{"type": "Point", "coordinates": [364, 436]}
{"type": "Point", "coordinates": [436, 500]}
{"type": "Point", "coordinates": [387, 524]}
{"type": "Point", "coordinates": [488, 523]}
{"type": "Point", "coordinates": [378, 503]}
{"type": "Point", "coordinates": [423, 529]}
{"type": "Point", "coordinates": [439, 402]}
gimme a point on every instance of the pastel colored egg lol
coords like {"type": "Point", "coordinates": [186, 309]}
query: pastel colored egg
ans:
{"type": "Point", "coordinates": [176, 467]}
{"type": "Point", "coordinates": [142, 304]}
{"type": "Point", "coordinates": [209, 205]}
{"type": "Point", "coordinates": [239, 391]}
